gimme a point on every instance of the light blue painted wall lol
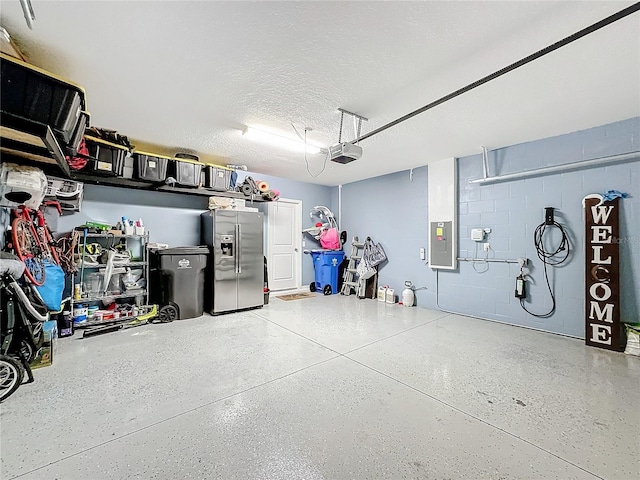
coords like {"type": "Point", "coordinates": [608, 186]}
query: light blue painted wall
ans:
{"type": "Point", "coordinates": [392, 209]}
{"type": "Point", "coordinates": [169, 218]}
{"type": "Point", "coordinates": [311, 195]}
{"type": "Point", "coordinates": [175, 219]}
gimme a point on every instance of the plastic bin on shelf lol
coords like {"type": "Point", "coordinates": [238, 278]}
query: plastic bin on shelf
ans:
{"type": "Point", "coordinates": [186, 172]}
{"type": "Point", "coordinates": [108, 158]}
{"type": "Point", "coordinates": [150, 167]}
{"type": "Point", "coordinates": [176, 277]}
{"type": "Point", "coordinates": [35, 94]}
{"type": "Point", "coordinates": [326, 264]}
{"type": "Point", "coordinates": [217, 177]}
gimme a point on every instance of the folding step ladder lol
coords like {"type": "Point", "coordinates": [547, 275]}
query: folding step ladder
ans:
{"type": "Point", "coordinates": [349, 281]}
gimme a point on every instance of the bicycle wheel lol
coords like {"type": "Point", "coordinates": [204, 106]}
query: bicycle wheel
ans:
{"type": "Point", "coordinates": [27, 247]}
{"type": "Point", "coordinates": [11, 376]}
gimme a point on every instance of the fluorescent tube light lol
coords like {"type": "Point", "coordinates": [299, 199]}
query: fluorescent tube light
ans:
{"type": "Point", "coordinates": [277, 140]}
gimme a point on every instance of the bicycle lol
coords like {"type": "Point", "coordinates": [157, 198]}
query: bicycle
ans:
{"type": "Point", "coordinates": [44, 232]}
{"type": "Point", "coordinates": [11, 376]}
{"type": "Point", "coordinates": [21, 333]}
{"type": "Point", "coordinates": [33, 241]}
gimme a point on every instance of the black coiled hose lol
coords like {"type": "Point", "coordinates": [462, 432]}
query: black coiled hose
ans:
{"type": "Point", "coordinates": [552, 258]}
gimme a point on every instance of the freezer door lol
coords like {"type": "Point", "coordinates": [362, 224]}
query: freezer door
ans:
{"type": "Point", "coordinates": [225, 254]}
{"type": "Point", "coordinates": [251, 260]}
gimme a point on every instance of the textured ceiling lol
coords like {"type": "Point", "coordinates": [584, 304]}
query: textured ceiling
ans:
{"type": "Point", "coordinates": [188, 76]}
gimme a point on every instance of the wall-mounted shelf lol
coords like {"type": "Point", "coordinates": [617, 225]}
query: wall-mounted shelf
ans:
{"type": "Point", "coordinates": [33, 143]}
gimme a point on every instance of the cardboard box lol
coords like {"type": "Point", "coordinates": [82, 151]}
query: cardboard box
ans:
{"type": "Point", "coordinates": [44, 356]}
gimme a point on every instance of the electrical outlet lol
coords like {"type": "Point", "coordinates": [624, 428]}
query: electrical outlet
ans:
{"type": "Point", "coordinates": [486, 246]}
{"type": "Point", "coordinates": [423, 255]}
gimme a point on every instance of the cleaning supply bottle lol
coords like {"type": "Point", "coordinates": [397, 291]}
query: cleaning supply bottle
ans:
{"type": "Point", "coordinates": [382, 293]}
{"type": "Point", "coordinates": [390, 295]}
{"type": "Point", "coordinates": [408, 295]}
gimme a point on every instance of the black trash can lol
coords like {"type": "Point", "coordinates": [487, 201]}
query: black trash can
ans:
{"type": "Point", "coordinates": [176, 277]}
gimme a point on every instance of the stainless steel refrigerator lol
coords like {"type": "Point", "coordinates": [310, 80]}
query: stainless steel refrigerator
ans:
{"type": "Point", "coordinates": [235, 273]}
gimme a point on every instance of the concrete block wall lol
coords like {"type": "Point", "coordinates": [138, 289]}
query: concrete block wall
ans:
{"type": "Point", "coordinates": [393, 210]}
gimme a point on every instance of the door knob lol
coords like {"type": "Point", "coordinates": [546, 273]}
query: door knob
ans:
{"type": "Point", "coordinates": [295, 249]}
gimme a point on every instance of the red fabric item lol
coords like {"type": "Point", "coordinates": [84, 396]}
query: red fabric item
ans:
{"type": "Point", "coordinates": [78, 163]}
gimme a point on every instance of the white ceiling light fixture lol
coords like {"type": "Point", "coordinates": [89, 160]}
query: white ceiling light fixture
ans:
{"type": "Point", "coordinates": [278, 140]}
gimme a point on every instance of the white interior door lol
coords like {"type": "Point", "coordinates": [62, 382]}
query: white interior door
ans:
{"type": "Point", "coordinates": [284, 244]}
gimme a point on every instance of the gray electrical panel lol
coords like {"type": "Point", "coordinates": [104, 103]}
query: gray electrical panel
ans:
{"type": "Point", "coordinates": [441, 245]}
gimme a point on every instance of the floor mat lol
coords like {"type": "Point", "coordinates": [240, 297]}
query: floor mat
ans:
{"type": "Point", "coordinates": [296, 296]}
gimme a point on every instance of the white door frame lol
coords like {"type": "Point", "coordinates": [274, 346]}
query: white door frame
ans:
{"type": "Point", "coordinates": [297, 236]}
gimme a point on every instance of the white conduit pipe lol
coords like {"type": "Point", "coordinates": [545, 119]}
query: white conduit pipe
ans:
{"type": "Point", "coordinates": [485, 163]}
{"type": "Point", "coordinates": [339, 205]}
{"type": "Point", "coordinates": [596, 162]}
{"type": "Point", "coordinates": [488, 260]}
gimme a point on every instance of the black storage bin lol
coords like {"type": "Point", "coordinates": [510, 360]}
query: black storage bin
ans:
{"type": "Point", "coordinates": [34, 94]}
{"type": "Point", "coordinates": [217, 178]}
{"type": "Point", "coordinates": [149, 167]}
{"type": "Point", "coordinates": [177, 276]}
{"type": "Point", "coordinates": [108, 158]}
{"type": "Point", "coordinates": [187, 174]}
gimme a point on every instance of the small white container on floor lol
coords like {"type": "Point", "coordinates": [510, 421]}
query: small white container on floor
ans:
{"type": "Point", "coordinates": [382, 294]}
{"type": "Point", "coordinates": [390, 295]}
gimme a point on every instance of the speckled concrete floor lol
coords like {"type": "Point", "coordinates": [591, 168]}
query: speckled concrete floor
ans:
{"type": "Point", "coordinates": [327, 387]}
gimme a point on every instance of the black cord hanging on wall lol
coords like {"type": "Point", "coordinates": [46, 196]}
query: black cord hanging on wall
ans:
{"type": "Point", "coordinates": [550, 258]}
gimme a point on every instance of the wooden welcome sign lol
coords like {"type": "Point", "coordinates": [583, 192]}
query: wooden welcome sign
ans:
{"type": "Point", "coordinates": [602, 279]}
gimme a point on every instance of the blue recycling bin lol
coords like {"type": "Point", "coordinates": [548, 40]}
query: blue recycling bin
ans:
{"type": "Point", "coordinates": [326, 264]}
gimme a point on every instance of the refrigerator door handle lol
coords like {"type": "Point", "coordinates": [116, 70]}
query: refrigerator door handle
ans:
{"type": "Point", "coordinates": [238, 243]}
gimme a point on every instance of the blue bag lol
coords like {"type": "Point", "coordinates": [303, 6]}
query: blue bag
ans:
{"type": "Point", "coordinates": [53, 287]}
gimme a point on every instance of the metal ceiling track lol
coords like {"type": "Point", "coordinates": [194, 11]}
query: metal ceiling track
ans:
{"type": "Point", "coordinates": [534, 56]}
